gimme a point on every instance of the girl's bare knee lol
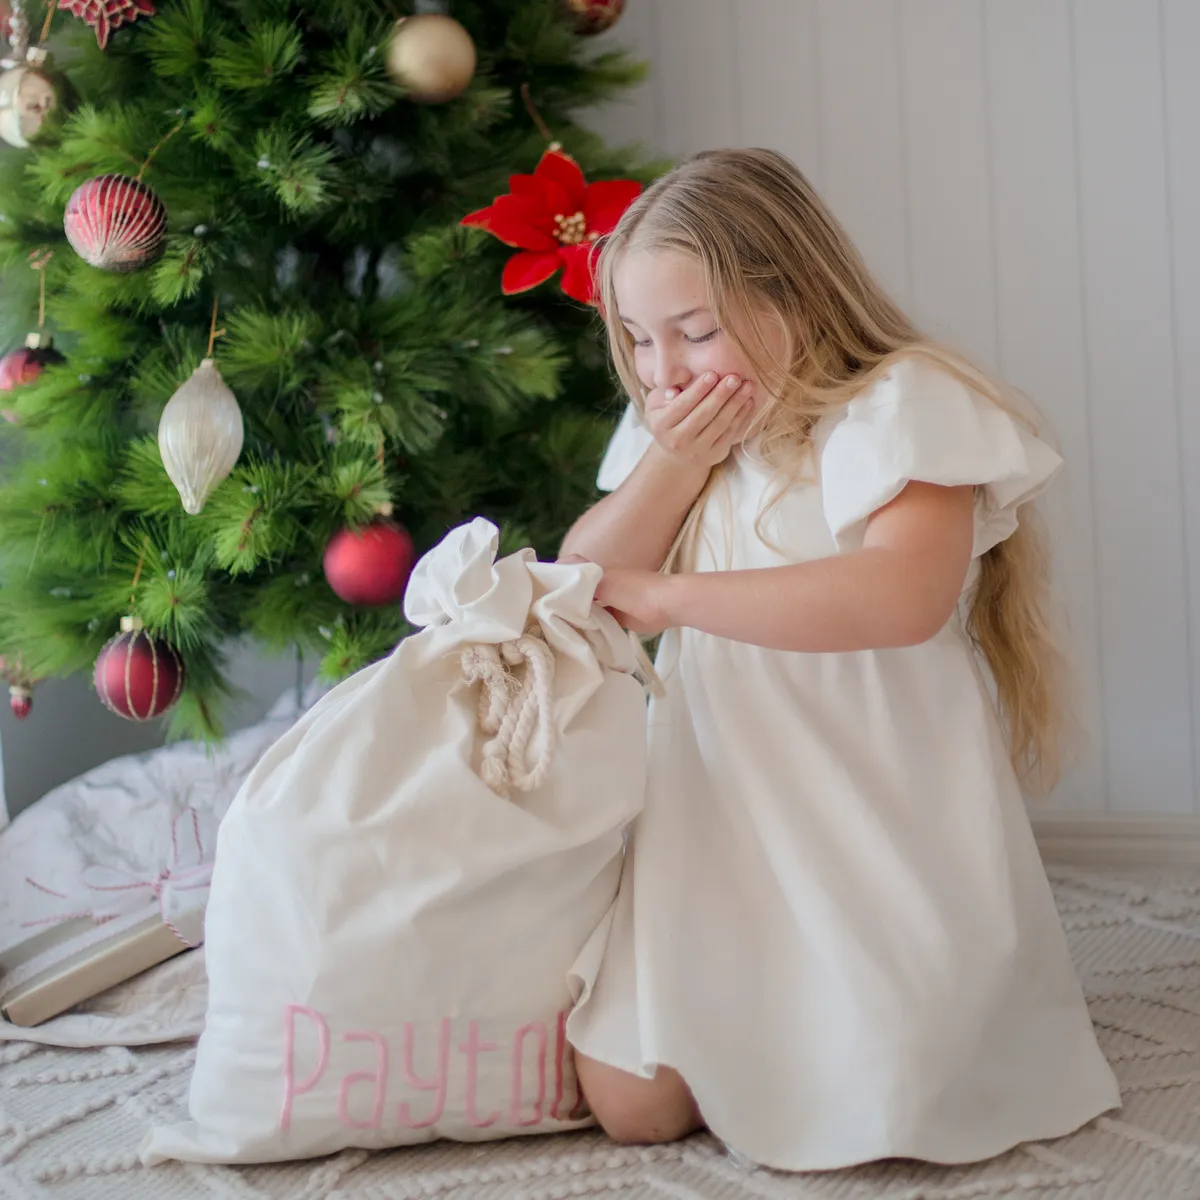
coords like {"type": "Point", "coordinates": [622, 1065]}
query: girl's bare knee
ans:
{"type": "Point", "coordinates": [638, 1111]}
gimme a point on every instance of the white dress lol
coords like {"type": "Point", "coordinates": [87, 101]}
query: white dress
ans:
{"type": "Point", "coordinates": [833, 921]}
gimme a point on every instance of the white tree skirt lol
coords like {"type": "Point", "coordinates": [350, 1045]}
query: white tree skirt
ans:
{"type": "Point", "coordinates": [71, 1120]}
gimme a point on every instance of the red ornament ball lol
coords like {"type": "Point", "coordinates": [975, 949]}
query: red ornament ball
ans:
{"type": "Point", "coordinates": [20, 700]}
{"type": "Point", "coordinates": [18, 367]}
{"type": "Point", "coordinates": [24, 365]}
{"type": "Point", "coordinates": [370, 566]}
{"type": "Point", "coordinates": [138, 676]}
{"type": "Point", "coordinates": [116, 223]}
{"type": "Point", "coordinates": [594, 16]}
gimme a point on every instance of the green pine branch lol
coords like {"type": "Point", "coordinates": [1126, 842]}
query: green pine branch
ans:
{"type": "Point", "coordinates": [363, 330]}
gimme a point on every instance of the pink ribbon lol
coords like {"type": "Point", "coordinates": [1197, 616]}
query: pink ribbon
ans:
{"type": "Point", "coordinates": [186, 872]}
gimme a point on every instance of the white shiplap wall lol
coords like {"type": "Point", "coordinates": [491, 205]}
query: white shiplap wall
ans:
{"type": "Point", "coordinates": [1025, 176]}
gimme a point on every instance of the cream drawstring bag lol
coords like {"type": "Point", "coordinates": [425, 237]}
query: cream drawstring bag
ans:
{"type": "Point", "coordinates": [406, 878]}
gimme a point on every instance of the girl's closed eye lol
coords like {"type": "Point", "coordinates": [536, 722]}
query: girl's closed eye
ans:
{"type": "Point", "coordinates": [695, 341]}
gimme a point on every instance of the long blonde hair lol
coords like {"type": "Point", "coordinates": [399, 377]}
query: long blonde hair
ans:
{"type": "Point", "coordinates": [772, 252]}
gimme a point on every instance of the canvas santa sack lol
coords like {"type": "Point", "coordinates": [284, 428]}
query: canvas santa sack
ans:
{"type": "Point", "coordinates": [405, 879]}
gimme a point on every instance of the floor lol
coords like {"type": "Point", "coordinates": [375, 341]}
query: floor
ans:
{"type": "Point", "coordinates": [71, 1121]}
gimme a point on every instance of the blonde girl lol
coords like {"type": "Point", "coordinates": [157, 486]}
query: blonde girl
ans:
{"type": "Point", "coordinates": [834, 940]}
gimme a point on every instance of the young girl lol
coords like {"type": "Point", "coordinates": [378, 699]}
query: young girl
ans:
{"type": "Point", "coordinates": [834, 940]}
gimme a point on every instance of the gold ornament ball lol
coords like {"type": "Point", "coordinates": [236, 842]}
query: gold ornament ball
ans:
{"type": "Point", "coordinates": [432, 57]}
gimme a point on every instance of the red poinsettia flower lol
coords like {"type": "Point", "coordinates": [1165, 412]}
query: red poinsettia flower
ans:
{"type": "Point", "coordinates": [554, 217]}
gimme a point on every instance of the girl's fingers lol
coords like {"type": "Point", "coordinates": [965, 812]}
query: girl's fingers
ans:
{"type": "Point", "coordinates": [735, 415]}
{"type": "Point", "coordinates": [678, 403]}
{"type": "Point", "coordinates": [697, 423]}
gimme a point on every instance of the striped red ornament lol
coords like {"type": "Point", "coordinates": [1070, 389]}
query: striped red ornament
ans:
{"type": "Point", "coordinates": [116, 223]}
{"type": "Point", "coordinates": [138, 676]}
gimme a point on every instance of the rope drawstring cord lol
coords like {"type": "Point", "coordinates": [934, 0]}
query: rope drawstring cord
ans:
{"type": "Point", "coordinates": [518, 712]}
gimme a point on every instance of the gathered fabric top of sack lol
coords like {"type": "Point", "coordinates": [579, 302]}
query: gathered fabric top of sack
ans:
{"type": "Point", "coordinates": [504, 612]}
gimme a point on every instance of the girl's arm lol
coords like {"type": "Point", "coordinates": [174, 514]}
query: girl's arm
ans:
{"type": "Point", "coordinates": [898, 590]}
{"type": "Point", "coordinates": [694, 429]}
{"type": "Point", "coordinates": [636, 525]}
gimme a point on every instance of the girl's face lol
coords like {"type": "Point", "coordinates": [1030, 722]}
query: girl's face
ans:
{"type": "Point", "coordinates": [663, 302]}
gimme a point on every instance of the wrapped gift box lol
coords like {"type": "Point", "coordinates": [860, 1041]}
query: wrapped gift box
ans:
{"type": "Point", "coordinates": [77, 959]}
{"type": "Point", "coordinates": [105, 929]}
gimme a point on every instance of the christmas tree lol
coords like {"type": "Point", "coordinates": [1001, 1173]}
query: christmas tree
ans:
{"type": "Point", "coordinates": [254, 210]}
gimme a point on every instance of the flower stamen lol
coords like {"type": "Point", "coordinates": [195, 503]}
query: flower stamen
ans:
{"type": "Point", "coordinates": [572, 230]}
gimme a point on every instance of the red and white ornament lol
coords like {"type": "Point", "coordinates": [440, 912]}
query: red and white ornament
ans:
{"type": "Point", "coordinates": [370, 566]}
{"type": "Point", "coordinates": [27, 98]}
{"type": "Point", "coordinates": [116, 223]}
{"type": "Point", "coordinates": [20, 700]}
{"type": "Point", "coordinates": [594, 16]}
{"type": "Point", "coordinates": [20, 686]}
{"type": "Point", "coordinates": [106, 15]}
{"type": "Point", "coordinates": [138, 676]}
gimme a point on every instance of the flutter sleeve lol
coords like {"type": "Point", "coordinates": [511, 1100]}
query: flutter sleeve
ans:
{"type": "Point", "coordinates": [919, 422]}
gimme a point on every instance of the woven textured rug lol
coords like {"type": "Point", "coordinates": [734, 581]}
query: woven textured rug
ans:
{"type": "Point", "coordinates": [71, 1121]}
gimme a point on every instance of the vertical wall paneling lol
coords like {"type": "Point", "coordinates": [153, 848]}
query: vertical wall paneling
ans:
{"type": "Point", "coordinates": [696, 76]}
{"type": "Point", "coordinates": [1181, 96]}
{"type": "Point", "coordinates": [1133, 415]}
{"type": "Point", "coordinates": [1039, 309]}
{"type": "Point", "coordinates": [946, 141]}
{"type": "Point", "coordinates": [635, 115]}
{"type": "Point", "coordinates": [1025, 176]}
{"type": "Point", "coordinates": [779, 64]}
{"type": "Point", "coordinates": [862, 135]}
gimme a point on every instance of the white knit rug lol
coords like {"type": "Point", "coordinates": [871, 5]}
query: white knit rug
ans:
{"type": "Point", "coordinates": [71, 1120]}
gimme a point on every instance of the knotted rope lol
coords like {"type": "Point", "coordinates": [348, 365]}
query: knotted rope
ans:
{"type": "Point", "coordinates": [517, 711]}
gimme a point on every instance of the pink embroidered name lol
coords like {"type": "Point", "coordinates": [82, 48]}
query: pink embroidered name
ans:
{"type": "Point", "coordinates": [517, 1071]}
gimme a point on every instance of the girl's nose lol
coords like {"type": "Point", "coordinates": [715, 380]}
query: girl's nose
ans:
{"type": "Point", "coordinates": [669, 371]}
